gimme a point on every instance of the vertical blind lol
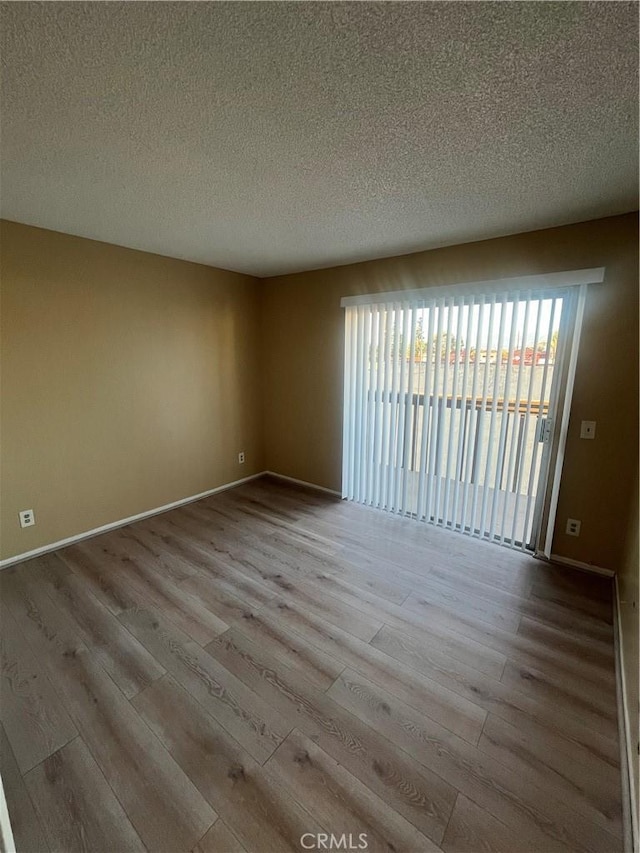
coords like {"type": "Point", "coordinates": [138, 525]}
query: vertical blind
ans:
{"type": "Point", "coordinates": [448, 406]}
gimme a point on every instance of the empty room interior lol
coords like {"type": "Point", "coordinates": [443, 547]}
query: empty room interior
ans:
{"type": "Point", "coordinates": [319, 427]}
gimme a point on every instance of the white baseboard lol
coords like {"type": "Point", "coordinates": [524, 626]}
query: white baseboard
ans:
{"type": "Point", "coordinates": [578, 564]}
{"type": "Point", "coordinates": [61, 543]}
{"type": "Point", "coordinates": [627, 738]}
{"type": "Point", "coordinates": [304, 483]}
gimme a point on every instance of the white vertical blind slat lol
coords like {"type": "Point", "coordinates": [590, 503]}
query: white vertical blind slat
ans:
{"type": "Point", "coordinates": [494, 418]}
{"type": "Point", "coordinates": [386, 407]}
{"type": "Point", "coordinates": [402, 346]}
{"type": "Point", "coordinates": [473, 419]}
{"type": "Point", "coordinates": [366, 406]}
{"type": "Point", "coordinates": [465, 412]}
{"type": "Point", "coordinates": [435, 413]}
{"type": "Point", "coordinates": [408, 410]}
{"type": "Point", "coordinates": [481, 420]}
{"type": "Point", "coordinates": [395, 378]}
{"type": "Point", "coordinates": [454, 416]}
{"type": "Point", "coordinates": [538, 444]}
{"type": "Point", "coordinates": [504, 420]}
{"type": "Point", "coordinates": [348, 445]}
{"type": "Point", "coordinates": [442, 398]}
{"type": "Point", "coordinates": [561, 310]}
{"type": "Point", "coordinates": [358, 402]}
{"type": "Point", "coordinates": [377, 354]}
{"type": "Point", "coordinates": [426, 418]}
{"type": "Point", "coordinates": [526, 423]}
{"type": "Point", "coordinates": [515, 427]}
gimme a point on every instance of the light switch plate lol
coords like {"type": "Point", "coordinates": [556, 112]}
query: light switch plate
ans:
{"type": "Point", "coordinates": [588, 429]}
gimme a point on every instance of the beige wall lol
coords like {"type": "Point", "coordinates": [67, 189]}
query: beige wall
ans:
{"type": "Point", "coordinates": [629, 628]}
{"type": "Point", "coordinates": [303, 356]}
{"type": "Point", "coordinates": [129, 381]}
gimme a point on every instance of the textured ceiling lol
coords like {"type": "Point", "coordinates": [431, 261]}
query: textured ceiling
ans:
{"type": "Point", "coordinates": [273, 137]}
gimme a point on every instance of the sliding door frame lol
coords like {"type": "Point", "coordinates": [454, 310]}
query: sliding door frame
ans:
{"type": "Point", "coordinates": [551, 468]}
{"type": "Point", "coordinates": [572, 287]}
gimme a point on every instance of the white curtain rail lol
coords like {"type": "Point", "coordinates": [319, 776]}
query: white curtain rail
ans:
{"type": "Point", "coordinates": [535, 284]}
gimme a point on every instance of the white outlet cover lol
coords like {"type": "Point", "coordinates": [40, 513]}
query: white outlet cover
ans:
{"type": "Point", "coordinates": [27, 518]}
{"type": "Point", "coordinates": [573, 527]}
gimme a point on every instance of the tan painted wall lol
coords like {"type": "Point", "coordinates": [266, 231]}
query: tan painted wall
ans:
{"type": "Point", "coordinates": [630, 627]}
{"type": "Point", "coordinates": [129, 381]}
{"type": "Point", "coordinates": [303, 355]}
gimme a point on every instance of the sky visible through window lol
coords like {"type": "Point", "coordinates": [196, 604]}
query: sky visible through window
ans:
{"type": "Point", "coordinates": [548, 322]}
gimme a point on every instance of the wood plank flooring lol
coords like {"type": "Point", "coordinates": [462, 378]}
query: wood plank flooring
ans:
{"type": "Point", "coordinates": [270, 664]}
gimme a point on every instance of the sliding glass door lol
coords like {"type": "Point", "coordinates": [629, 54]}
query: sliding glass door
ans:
{"type": "Point", "coordinates": [450, 406]}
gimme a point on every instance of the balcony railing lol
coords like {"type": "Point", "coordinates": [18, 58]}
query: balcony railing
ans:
{"type": "Point", "coordinates": [509, 466]}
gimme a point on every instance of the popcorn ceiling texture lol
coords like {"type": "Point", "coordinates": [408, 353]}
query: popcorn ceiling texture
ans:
{"type": "Point", "coordinates": [273, 137]}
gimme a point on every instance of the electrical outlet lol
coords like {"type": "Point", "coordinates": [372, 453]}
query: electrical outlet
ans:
{"type": "Point", "coordinates": [241, 457]}
{"type": "Point", "coordinates": [27, 518]}
{"type": "Point", "coordinates": [588, 429]}
{"type": "Point", "coordinates": [573, 527]}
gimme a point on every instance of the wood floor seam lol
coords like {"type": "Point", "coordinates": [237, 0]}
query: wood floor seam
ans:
{"type": "Point", "coordinates": [444, 834]}
{"type": "Point", "coordinates": [108, 784]}
{"type": "Point", "coordinates": [484, 722]}
{"type": "Point", "coordinates": [326, 690]}
{"type": "Point", "coordinates": [205, 833]}
{"type": "Point", "coordinates": [51, 755]}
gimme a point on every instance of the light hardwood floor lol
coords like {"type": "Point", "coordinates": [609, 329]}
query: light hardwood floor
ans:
{"type": "Point", "coordinates": [271, 662]}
